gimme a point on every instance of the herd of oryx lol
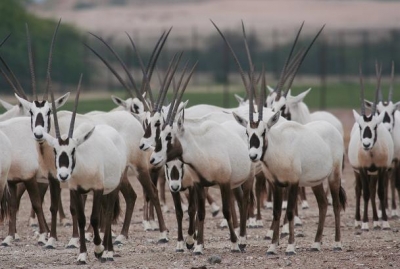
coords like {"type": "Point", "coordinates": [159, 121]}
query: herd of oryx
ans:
{"type": "Point", "coordinates": [269, 138]}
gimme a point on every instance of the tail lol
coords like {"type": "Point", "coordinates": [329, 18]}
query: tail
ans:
{"type": "Point", "coordinates": [342, 198]}
{"type": "Point", "coordinates": [4, 204]}
{"type": "Point", "coordinates": [117, 210]}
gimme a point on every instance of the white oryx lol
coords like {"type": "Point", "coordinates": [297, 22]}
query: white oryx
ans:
{"type": "Point", "coordinates": [94, 160]}
{"type": "Point", "coordinates": [218, 158]}
{"type": "Point", "coordinates": [370, 154]}
{"type": "Point", "coordinates": [391, 121]}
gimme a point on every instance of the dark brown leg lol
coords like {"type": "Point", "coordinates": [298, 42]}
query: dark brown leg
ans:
{"type": "Point", "coordinates": [130, 199]}
{"type": "Point", "coordinates": [192, 215]}
{"type": "Point", "coordinates": [260, 187]}
{"type": "Point", "coordinates": [73, 243]}
{"type": "Point", "coordinates": [201, 212]}
{"type": "Point", "coordinates": [110, 213]}
{"type": "Point", "coordinates": [95, 222]}
{"type": "Point", "coordinates": [179, 216]}
{"type": "Point", "coordinates": [292, 191]}
{"type": "Point", "coordinates": [80, 214]}
{"type": "Point", "coordinates": [277, 211]}
{"type": "Point", "coordinates": [12, 222]}
{"type": "Point", "coordinates": [366, 196]}
{"type": "Point", "coordinates": [233, 209]}
{"type": "Point", "coordinates": [382, 191]}
{"type": "Point", "coordinates": [55, 196]}
{"type": "Point", "coordinates": [358, 186]}
{"type": "Point", "coordinates": [322, 201]}
{"type": "Point", "coordinates": [372, 192]}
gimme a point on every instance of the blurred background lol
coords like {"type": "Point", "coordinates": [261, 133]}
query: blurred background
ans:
{"type": "Point", "coordinates": [356, 33]}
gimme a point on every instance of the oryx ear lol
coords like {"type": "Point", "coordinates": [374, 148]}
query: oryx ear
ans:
{"type": "Point", "coordinates": [368, 104]}
{"type": "Point", "coordinates": [397, 105]}
{"type": "Point", "coordinates": [356, 115]}
{"type": "Point", "coordinates": [239, 99]}
{"type": "Point", "coordinates": [182, 106]}
{"type": "Point", "coordinates": [26, 104]}
{"type": "Point", "coordinates": [144, 95]}
{"type": "Point", "coordinates": [297, 99]}
{"type": "Point", "coordinates": [6, 105]}
{"type": "Point", "coordinates": [274, 119]}
{"type": "Point", "coordinates": [118, 101]}
{"type": "Point", "coordinates": [79, 140]}
{"type": "Point", "coordinates": [61, 100]}
{"type": "Point", "coordinates": [181, 120]}
{"type": "Point", "coordinates": [49, 139]}
{"type": "Point", "coordinates": [270, 89]}
{"type": "Point", "coordinates": [380, 118]}
{"type": "Point", "coordinates": [242, 121]}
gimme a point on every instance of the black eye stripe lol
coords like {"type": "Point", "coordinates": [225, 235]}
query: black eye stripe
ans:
{"type": "Point", "coordinates": [254, 141]}
{"type": "Point", "coordinates": [63, 160]}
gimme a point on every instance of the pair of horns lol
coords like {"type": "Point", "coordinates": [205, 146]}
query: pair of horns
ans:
{"type": "Point", "coordinates": [378, 70]}
{"type": "Point", "coordinates": [53, 108]}
{"type": "Point", "coordinates": [147, 72]}
{"type": "Point", "coordinates": [390, 95]}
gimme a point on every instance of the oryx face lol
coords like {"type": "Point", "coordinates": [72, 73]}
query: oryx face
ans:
{"type": "Point", "coordinates": [280, 104]}
{"type": "Point", "coordinates": [388, 109]}
{"type": "Point", "coordinates": [136, 106]}
{"type": "Point", "coordinates": [152, 131]}
{"type": "Point", "coordinates": [174, 172]}
{"type": "Point", "coordinates": [256, 132]}
{"type": "Point", "coordinates": [40, 112]}
{"type": "Point", "coordinates": [368, 128]}
{"type": "Point", "coordinates": [64, 151]}
{"type": "Point", "coordinates": [163, 145]}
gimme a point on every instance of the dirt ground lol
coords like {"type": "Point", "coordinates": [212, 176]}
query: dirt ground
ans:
{"type": "Point", "coordinates": [373, 249]}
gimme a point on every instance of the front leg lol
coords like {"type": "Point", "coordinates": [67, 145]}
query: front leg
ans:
{"type": "Point", "coordinates": [179, 216]}
{"type": "Point", "coordinates": [55, 193]}
{"type": "Point", "coordinates": [192, 216]}
{"type": "Point", "coordinates": [277, 211]}
{"type": "Point", "coordinates": [201, 213]}
{"type": "Point", "coordinates": [382, 190]}
{"type": "Point", "coordinates": [226, 209]}
{"type": "Point", "coordinates": [80, 213]}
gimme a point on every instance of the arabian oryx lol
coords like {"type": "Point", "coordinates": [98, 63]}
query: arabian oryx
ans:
{"type": "Point", "coordinates": [370, 154]}
{"type": "Point", "coordinates": [217, 156]}
{"type": "Point", "coordinates": [391, 120]}
{"type": "Point", "coordinates": [92, 158]}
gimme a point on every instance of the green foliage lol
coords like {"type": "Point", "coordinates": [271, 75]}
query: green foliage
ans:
{"type": "Point", "coordinates": [68, 57]}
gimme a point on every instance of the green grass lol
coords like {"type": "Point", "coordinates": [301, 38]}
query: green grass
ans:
{"type": "Point", "coordinates": [344, 95]}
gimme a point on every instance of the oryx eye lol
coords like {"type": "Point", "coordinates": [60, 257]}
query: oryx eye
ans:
{"type": "Point", "coordinates": [157, 123]}
{"type": "Point", "coordinates": [30, 112]}
{"type": "Point", "coordinates": [48, 112]}
{"type": "Point", "coordinates": [55, 152]}
{"type": "Point", "coordinates": [263, 134]}
{"type": "Point", "coordinates": [247, 133]}
{"type": "Point", "coordinates": [169, 137]}
{"type": "Point", "coordinates": [166, 165]}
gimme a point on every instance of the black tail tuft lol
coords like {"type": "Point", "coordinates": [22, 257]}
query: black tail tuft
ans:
{"type": "Point", "coordinates": [117, 210]}
{"type": "Point", "coordinates": [342, 198]}
{"type": "Point", "coordinates": [4, 204]}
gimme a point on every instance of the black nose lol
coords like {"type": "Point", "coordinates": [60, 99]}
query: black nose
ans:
{"type": "Point", "coordinates": [40, 136]}
{"type": "Point", "coordinates": [152, 160]}
{"type": "Point", "coordinates": [253, 157]}
{"type": "Point", "coordinates": [366, 145]}
{"type": "Point", "coordinates": [63, 178]}
{"type": "Point", "coordinates": [141, 146]}
{"type": "Point", "coordinates": [175, 188]}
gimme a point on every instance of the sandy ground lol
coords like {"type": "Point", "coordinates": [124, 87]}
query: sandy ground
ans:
{"type": "Point", "coordinates": [151, 16]}
{"type": "Point", "coordinates": [373, 249]}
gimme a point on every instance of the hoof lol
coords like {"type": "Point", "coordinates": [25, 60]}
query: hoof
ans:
{"type": "Point", "coordinates": [271, 253]}
{"type": "Point", "coordinates": [110, 259]}
{"type": "Point", "coordinates": [189, 246]}
{"type": "Point", "coordinates": [41, 244]}
{"type": "Point", "coordinates": [235, 251]}
{"type": "Point", "coordinates": [337, 249]}
{"type": "Point", "coordinates": [179, 250]}
{"type": "Point", "coordinates": [387, 229]}
{"type": "Point", "coordinates": [49, 247]}
{"type": "Point", "coordinates": [377, 228]}
{"type": "Point", "coordinates": [300, 234]}
{"type": "Point", "coordinates": [163, 240]}
{"type": "Point", "coordinates": [314, 249]}
{"type": "Point", "coordinates": [290, 253]}
{"type": "Point", "coordinates": [197, 253]}
{"type": "Point", "coordinates": [70, 247]}
{"type": "Point", "coordinates": [242, 247]}
{"type": "Point", "coordinates": [81, 262]}
{"type": "Point", "coordinates": [4, 244]}
{"type": "Point", "coordinates": [103, 260]}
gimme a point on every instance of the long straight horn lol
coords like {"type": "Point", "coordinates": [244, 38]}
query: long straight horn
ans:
{"type": "Point", "coordinates": [179, 99]}
{"type": "Point", "coordinates": [391, 83]}
{"type": "Point", "coordinates": [175, 96]}
{"type": "Point", "coordinates": [242, 74]}
{"type": "Point", "coordinates": [78, 91]}
{"type": "Point", "coordinates": [262, 95]}
{"type": "Point", "coordinates": [133, 83]}
{"type": "Point", "coordinates": [302, 59]}
{"type": "Point", "coordinates": [54, 109]}
{"type": "Point", "coordinates": [379, 76]}
{"type": "Point", "coordinates": [379, 90]}
{"type": "Point", "coordinates": [362, 92]}
{"type": "Point", "coordinates": [4, 40]}
{"type": "Point", "coordinates": [31, 66]}
{"type": "Point", "coordinates": [279, 86]}
{"type": "Point", "coordinates": [50, 60]}
{"type": "Point", "coordinates": [251, 66]}
{"type": "Point", "coordinates": [17, 88]}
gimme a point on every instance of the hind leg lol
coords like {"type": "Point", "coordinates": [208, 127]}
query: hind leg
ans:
{"type": "Point", "coordinates": [338, 202]}
{"type": "Point", "coordinates": [111, 212]}
{"type": "Point", "coordinates": [277, 211]}
{"type": "Point", "coordinates": [358, 187]}
{"type": "Point", "coordinates": [292, 201]}
{"type": "Point", "coordinates": [322, 201]}
{"type": "Point", "coordinates": [382, 190]}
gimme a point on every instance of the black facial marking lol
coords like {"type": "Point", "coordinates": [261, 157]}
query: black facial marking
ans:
{"type": "Point", "coordinates": [63, 142]}
{"type": "Point", "coordinates": [73, 159]}
{"type": "Point", "coordinates": [136, 108]}
{"type": "Point", "coordinates": [386, 118]}
{"type": "Point", "coordinates": [147, 131]}
{"type": "Point", "coordinates": [174, 173]}
{"type": "Point", "coordinates": [40, 103]}
{"type": "Point", "coordinates": [254, 141]}
{"type": "Point", "coordinates": [63, 160]}
{"type": "Point", "coordinates": [367, 132]}
{"type": "Point", "coordinates": [39, 120]}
